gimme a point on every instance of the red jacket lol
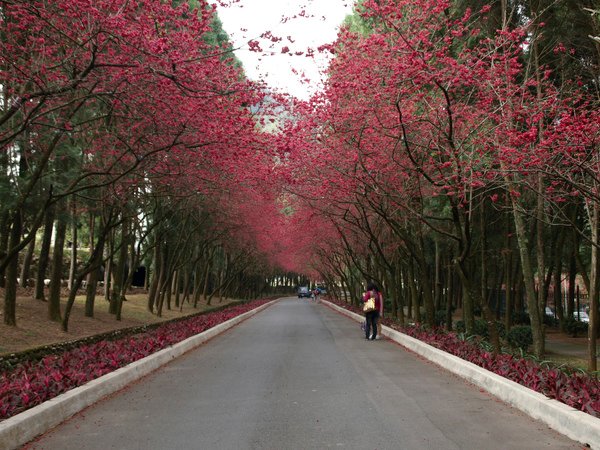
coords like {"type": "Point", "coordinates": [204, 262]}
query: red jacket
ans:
{"type": "Point", "coordinates": [378, 300]}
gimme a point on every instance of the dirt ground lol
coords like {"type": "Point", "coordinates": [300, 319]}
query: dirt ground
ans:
{"type": "Point", "coordinates": [34, 329]}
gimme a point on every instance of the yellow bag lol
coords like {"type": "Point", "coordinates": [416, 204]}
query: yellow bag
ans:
{"type": "Point", "coordinates": [369, 305]}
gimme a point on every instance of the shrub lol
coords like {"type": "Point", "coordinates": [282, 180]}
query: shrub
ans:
{"type": "Point", "coordinates": [501, 329]}
{"type": "Point", "coordinates": [440, 318]}
{"type": "Point", "coordinates": [521, 318]}
{"type": "Point", "coordinates": [575, 327]}
{"type": "Point", "coordinates": [520, 337]}
{"type": "Point", "coordinates": [480, 328]}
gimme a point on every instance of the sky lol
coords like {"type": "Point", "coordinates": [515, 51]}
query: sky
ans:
{"type": "Point", "coordinates": [247, 20]}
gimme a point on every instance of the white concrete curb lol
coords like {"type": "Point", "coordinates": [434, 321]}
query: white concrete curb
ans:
{"type": "Point", "coordinates": [24, 427]}
{"type": "Point", "coordinates": [575, 424]}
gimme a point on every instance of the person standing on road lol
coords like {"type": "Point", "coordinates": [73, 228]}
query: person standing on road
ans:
{"type": "Point", "coordinates": [372, 317]}
{"type": "Point", "coordinates": [316, 293]}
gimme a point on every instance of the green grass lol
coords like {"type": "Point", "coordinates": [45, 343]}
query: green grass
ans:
{"type": "Point", "coordinates": [565, 360]}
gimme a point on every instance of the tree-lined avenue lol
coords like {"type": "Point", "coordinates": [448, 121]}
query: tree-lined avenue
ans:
{"type": "Point", "coordinates": [299, 375]}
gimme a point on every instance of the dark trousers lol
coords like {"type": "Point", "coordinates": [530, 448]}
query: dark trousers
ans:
{"type": "Point", "coordinates": [371, 319]}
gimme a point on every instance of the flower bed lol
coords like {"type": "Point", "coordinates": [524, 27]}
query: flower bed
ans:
{"type": "Point", "coordinates": [576, 389]}
{"type": "Point", "coordinates": [33, 382]}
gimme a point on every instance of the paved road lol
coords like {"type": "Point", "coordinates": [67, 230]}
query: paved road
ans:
{"type": "Point", "coordinates": [300, 376]}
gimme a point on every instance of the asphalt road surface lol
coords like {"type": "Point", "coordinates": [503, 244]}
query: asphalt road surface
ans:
{"type": "Point", "coordinates": [301, 376]}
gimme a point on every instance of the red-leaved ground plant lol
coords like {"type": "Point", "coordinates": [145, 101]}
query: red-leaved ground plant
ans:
{"type": "Point", "coordinates": [31, 383]}
{"type": "Point", "coordinates": [576, 389]}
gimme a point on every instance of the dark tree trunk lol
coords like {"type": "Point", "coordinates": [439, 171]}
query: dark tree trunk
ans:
{"type": "Point", "coordinates": [94, 275]}
{"type": "Point", "coordinates": [438, 277]}
{"type": "Point", "coordinates": [44, 253]}
{"type": "Point", "coordinates": [108, 266]}
{"type": "Point", "coordinates": [187, 284]}
{"type": "Point", "coordinates": [153, 288]}
{"type": "Point", "coordinates": [594, 285]}
{"type": "Point", "coordinates": [206, 280]}
{"type": "Point", "coordinates": [407, 292]}
{"type": "Point", "coordinates": [449, 297]}
{"type": "Point", "coordinates": [414, 292]}
{"type": "Point", "coordinates": [117, 292]}
{"type": "Point", "coordinates": [169, 290]}
{"type": "Point", "coordinates": [572, 281]}
{"type": "Point", "coordinates": [91, 267]}
{"type": "Point", "coordinates": [57, 268]}
{"type": "Point", "coordinates": [488, 314]}
{"type": "Point", "coordinates": [508, 292]}
{"type": "Point", "coordinates": [90, 291]}
{"type": "Point", "coordinates": [198, 284]}
{"type": "Point", "coordinates": [73, 266]}
{"type": "Point", "coordinates": [26, 266]}
{"type": "Point", "coordinates": [10, 292]}
{"type": "Point", "coordinates": [162, 275]}
{"type": "Point", "coordinates": [4, 238]}
{"type": "Point", "coordinates": [134, 258]}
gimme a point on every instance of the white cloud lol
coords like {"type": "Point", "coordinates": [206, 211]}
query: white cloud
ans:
{"type": "Point", "coordinates": [246, 20]}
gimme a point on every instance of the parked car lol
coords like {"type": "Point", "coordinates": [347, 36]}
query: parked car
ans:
{"type": "Point", "coordinates": [304, 291]}
{"type": "Point", "coordinates": [581, 315]}
{"type": "Point", "coordinates": [550, 317]}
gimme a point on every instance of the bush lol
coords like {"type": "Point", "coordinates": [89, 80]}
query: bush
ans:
{"type": "Point", "coordinates": [575, 327]}
{"type": "Point", "coordinates": [440, 318]}
{"type": "Point", "coordinates": [501, 329]}
{"type": "Point", "coordinates": [521, 318]}
{"type": "Point", "coordinates": [520, 337]}
{"type": "Point", "coordinates": [480, 328]}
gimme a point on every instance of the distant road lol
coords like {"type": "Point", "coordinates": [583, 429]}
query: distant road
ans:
{"type": "Point", "coordinates": [300, 376]}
